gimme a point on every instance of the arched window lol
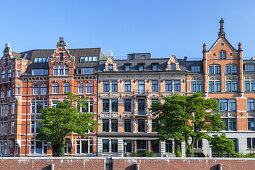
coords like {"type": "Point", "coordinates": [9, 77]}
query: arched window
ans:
{"type": "Point", "coordinates": [35, 90]}
{"type": "Point", "coordinates": [55, 70]}
{"type": "Point", "coordinates": [81, 89]}
{"type": "Point", "coordinates": [66, 87]}
{"type": "Point", "coordinates": [61, 70]}
{"type": "Point", "coordinates": [66, 70]}
{"type": "Point", "coordinates": [173, 67]}
{"type": "Point", "coordinates": [44, 89]}
{"type": "Point", "coordinates": [89, 88]}
{"type": "Point", "coordinates": [9, 73]}
{"type": "Point", "coordinates": [55, 88]}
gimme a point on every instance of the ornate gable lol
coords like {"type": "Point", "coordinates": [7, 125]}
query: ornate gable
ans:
{"type": "Point", "coordinates": [172, 64]}
{"type": "Point", "coordinates": [110, 65]}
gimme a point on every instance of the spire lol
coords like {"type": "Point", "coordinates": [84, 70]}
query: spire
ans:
{"type": "Point", "coordinates": [61, 42]}
{"type": "Point", "coordinates": [221, 33]}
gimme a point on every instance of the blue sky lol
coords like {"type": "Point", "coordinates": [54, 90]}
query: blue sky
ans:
{"type": "Point", "coordinates": [161, 27]}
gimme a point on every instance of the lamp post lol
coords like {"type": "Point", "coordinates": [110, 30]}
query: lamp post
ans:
{"type": "Point", "coordinates": [125, 147]}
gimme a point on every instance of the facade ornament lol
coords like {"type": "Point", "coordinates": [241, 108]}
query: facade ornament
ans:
{"type": "Point", "coordinates": [221, 33]}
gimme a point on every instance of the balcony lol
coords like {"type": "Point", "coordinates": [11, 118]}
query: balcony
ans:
{"type": "Point", "coordinates": [141, 113]}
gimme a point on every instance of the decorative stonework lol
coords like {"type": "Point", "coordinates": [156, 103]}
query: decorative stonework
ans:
{"type": "Point", "coordinates": [171, 61]}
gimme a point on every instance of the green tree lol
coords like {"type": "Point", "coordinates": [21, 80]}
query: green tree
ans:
{"type": "Point", "coordinates": [63, 120]}
{"type": "Point", "coordinates": [221, 144]}
{"type": "Point", "coordinates": [183, 118]}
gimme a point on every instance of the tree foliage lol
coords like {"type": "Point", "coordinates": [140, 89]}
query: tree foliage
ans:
{"type": "Point", "coordinates": [221, 144]}
{"type": "Point", "coordinates": [63, 120]}
{"type": "Point", "coordinates": [183, 118]}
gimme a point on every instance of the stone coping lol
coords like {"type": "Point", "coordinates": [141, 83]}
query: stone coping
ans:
{"type": "Point", "coordinates": [126, 158]}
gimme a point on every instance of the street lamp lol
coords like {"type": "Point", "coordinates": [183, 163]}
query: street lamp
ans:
{"type": "Point", "coordinates": [125, 147]}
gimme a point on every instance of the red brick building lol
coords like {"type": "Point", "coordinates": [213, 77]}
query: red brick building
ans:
{"type": "Point", "coordinates": [36, 79]}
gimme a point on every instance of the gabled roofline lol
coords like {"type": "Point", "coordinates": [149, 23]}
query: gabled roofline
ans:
{"type": "Point", "coordinates": [229, 44]}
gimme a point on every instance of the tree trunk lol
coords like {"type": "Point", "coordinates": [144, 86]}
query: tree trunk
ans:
{"type": "Point", "coordinates": [61, 148]}
{"type": "Point", "coordinates": [190, 151]}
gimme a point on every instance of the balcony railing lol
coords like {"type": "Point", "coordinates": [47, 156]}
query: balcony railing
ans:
{"type": "Point", "coordinates": [140, 92]}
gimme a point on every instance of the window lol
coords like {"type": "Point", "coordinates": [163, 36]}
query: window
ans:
{"type": "Point", "coordinates": [177, 85]}
{"type": "Point", "coordinates": [127, 67]}
{"type": "Point", "coordinates": [169, 85]}
{"type": "Point", "coordinates": [114, 125]}
{"type": "Point", "coordinates": [230, 69]}
{"type": "Point", "coordinates": [66, 70]}
{"type": "Point", "coordinates": [43, 89]}
{"type": "Point", "coordinates": [34, 126]}
{"type": "Point", "coordinates": [84, 146]}
{"type": "Point", "coordinates": [251, 124]}
{"type": "Point", "coordinates": [214, 69]}
{"type": "Point", "coordinates": [249, 67]}
{"type": "Point", "coordinates": [127, 125]}
{"type": "Point", "coordinates": [8, 92]}
{"type": "Point", "coordinates": [169, 146]}
{"type": "Point", "coordinates": [155, 146]}
{"type": "Point", "coordinates": [141, 87]}
{"type": "Point", "coordinates": [141, 144]}
{"type": "Point", "coordinates": [105, 105]}
{"type": "Point", "coordinates": [38, 147]}
{"type": "Point", "coordinates": [247, 85]}
{"type": "Point", "coordinates": [81, 89]}
{"type": "Point", "coordinates": [85, 70]}
{"type": "Point", "coordinates": [252, 85]}
{"type": "Point", "coordinates": [9, 73]}
{"type": "Point", "coordinates": [114, 103]}
{"type": "Point", "coordinates": [227, 105]}
{"type": "Point", "coordinates": [89, 106]}
{"type": "Point", "coordinates": [127, 146]}
{"type": "Point", "coordinates": [55, 70]}
{"type": "Point", "coordinates": [105, 145]}
{"type": "Point", "coordinates": [127, 105]}
{"type": "Point", "coordinates": [35, 90]}
{"type": "Point", "coordinates": [141, 67]}
{"type": "Point", "coordinates": [250, 105]}
{"type": "Point", "coordinates": [214, 86]}
{"type": "Point", "coordinates": [66, 87]}
{"type": "Point", "coordinates": [61, 70]}
{"type": "Point", "coordinates": [196, 86]}
{"type": "Point", "coordinates": [217, 86]}
{"type": "Point", "coordinates": [13, 108]}
{"type": "Point", "coordinates": [55, 88]}
{"type": "Point", "coordinates": [94, 58]}
{"type": "Point", "coordinates": [114, 86]}
{"type": "Point", "coordinates": [222, 55]}
{"type": "Point", "coordinates": [154, 125]}
{"type": "Point", "coordinates": [195, 69]}
{"type": "Point", "coordinates": [141, 125]}
{"type": "Point", "coordinates": [105, 125]}
{"type": "Point", "coordinates": [12, 127]}
{"type": "Point", "coordinates": [37, 106]}
{"type": "Point", "coordinates": [230, 124]}
{"type": "Point", "coordinates": [198, 144]}
{"type": "Point", "coordinates": [154, 101]}
{"type": "Point", "coordinates": [154, 67]}
{"type": "Point", "coordinates": [68, 147]}
{"type": "Point", "coordinates": [18, 73]}
{"type": "Point", "coordinates": [114, 144]}
{"type": "Point", "coordinates": [40, 60]}
{"type": "Point", "coordinates": [231, 86]}
{"type": "Point", "coordinates": [18, 89]}
{"type": "Point", "coordinates": [231, 105]}
{"type": "Point", "coordinates": [106, 86]}
{"type": "Point", "coordinates": [89, 89]}
{"type": "Point", "coordinates": [173, 67]}
{"type": "Point", "coordinates": [141, 107]}
{"type": "Point", "coordinates": [61, 58]}
{"type": "Point", "coordinates": [40, 72]}
{"type": "Point", "coordinates": [155, 85]}
{"type": "Point", "coordinates": [3, 74]}
{"type": "Point", "coordinates": [127, 86]}
{"type": "Point", "coordinates": [110, 67]}
{"type": "Point", "coordinates": [250, 143]}
{"type": "Point", "coordinates": [82, 59]}
{"type": "Point", "coordinates": [2, 93]}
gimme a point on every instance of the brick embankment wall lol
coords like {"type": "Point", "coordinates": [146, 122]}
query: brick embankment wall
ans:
{"type": "Point", "coordinates": [183, 163]}
{"type": "Point", "coordinates": [44, 163]}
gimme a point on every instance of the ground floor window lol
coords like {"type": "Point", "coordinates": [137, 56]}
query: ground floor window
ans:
{"type": "Point", "coordinates": [84, 146]}
{"type": "Point", "coordinates": [38, 147]}
{"type": "Point", "coordinates": [105, 145]}
{"type": "Point", "coordinates": [169, 146]}
{"type": "Point", "coordinates": [4, 148]}
{"type": "Point", "coordinates": [155, 146]}
{"type": "Point", "coordinates": [114, 144]}
{"type": "Point", "coordinates": [68, 147]}
{"type": "Point", "coordinates": [127, 146]}
{"type": "Point", "coordinates": [141, 144]}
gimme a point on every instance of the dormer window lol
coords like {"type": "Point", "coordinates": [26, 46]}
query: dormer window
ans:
{"type": "Point", "coordinates": [127, 67]}
{"type": "Point", "coordinates": [141, 67]}
{"type": "Point", "coordinates": [195, 69]}
{"type": "Point", "coordinates": [110, 67]}
{"type": "Point", "coordinates": [249, 67]}
{"type": "Point", "coordinates": [61, 58]}
{"type": "Point", "coordinates": [222, 55]}
{"type": "Point", "coordinates": [155, 67]}
{"type": "Point", "coordinates": [173, 67]}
